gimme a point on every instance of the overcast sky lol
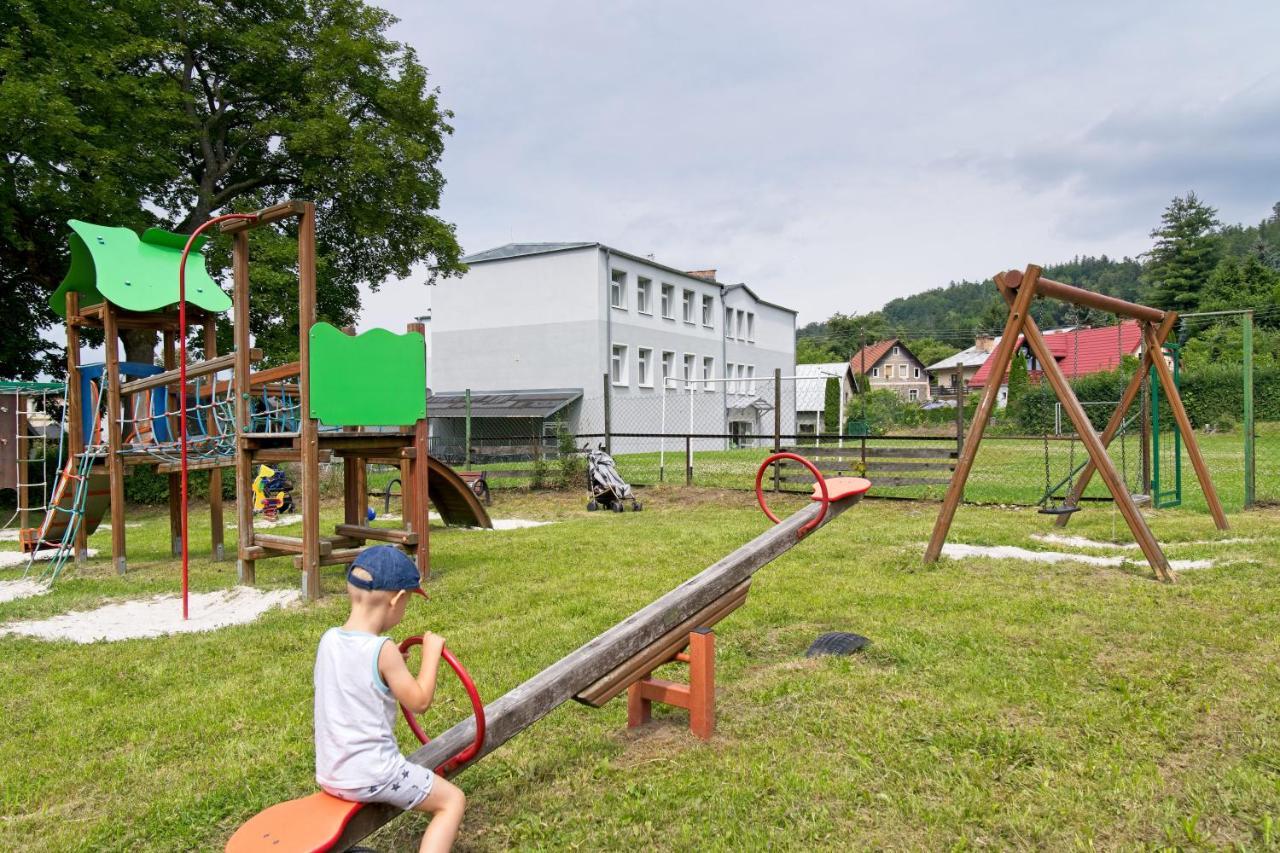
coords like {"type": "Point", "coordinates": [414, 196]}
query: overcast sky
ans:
{"type": "Point", "coordinates": [837, 155]}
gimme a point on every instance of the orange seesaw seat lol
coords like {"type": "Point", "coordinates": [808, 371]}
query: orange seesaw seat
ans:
{"type": "Point", "coordinates": [839, 488]}
{"type": "Point", "coordinates": [307, 825]}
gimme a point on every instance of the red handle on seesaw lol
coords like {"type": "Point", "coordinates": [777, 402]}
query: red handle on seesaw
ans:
{"type": "Point", "coordinates": [477, 707]}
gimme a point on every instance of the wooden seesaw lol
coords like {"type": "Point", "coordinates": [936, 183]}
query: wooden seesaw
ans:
{"type": "Point", "coordinates": [593, 673]}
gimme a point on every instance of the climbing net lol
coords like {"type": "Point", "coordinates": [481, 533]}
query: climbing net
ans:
{"type": "Point", "coordinates": [29, 428]}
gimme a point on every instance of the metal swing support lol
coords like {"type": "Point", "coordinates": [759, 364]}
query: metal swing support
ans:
{"type": "Point", "coordinates": [1018, 290]}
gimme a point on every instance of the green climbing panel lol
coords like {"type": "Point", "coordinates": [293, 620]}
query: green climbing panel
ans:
{"type": "Point", "coordinates": [377, 378]}
{"type": "Point", "coordinates": [132, 272]}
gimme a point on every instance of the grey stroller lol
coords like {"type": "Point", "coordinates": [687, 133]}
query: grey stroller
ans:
{"type": "Point", "coordinates": [607, 488]}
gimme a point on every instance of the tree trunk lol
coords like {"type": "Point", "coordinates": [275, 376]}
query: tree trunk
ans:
{"type": "Point", "coordinates": [139, 345]}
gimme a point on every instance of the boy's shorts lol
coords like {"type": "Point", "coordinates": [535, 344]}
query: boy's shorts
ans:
{"type": "Point", "coordinates": [410, 786]}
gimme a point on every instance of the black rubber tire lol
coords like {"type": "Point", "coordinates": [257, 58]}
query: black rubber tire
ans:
{"type": "Point", "coordinates": [617, 507]}
{"type": "Point", "coordinates": [592, 506]}
{"type": "Point", "coordinates": [837, 643]}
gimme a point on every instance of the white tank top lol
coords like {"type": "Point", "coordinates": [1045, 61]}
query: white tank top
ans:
{"type": "Point", "coordinates": [355, 712]}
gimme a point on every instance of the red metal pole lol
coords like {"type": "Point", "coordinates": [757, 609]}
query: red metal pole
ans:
{"type": "Point", "coordinates": [182, 378]}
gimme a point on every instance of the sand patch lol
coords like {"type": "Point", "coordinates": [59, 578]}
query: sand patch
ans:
{"type": "Point", "coordinates": [514, 524]}
{"type": "Point", "coordinates": [1013, 552]}
{"type": "Point", "coordinates": [157, 616]}
{"type": "Point", "coordinates": [21, 588]}
{"type": "Point", "coordinates": [13, 559]}
{"type": "Point", "coordinates": [281, 521]}
{"type": "Point", "coordinates": [1083, 542]}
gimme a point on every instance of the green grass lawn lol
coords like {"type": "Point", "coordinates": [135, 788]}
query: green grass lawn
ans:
{"type": "Point", "coordinates": [1002, 703]}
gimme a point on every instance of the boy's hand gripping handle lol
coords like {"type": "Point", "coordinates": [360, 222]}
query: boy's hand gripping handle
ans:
{"type": "Point", "coordinates": [477, 706]}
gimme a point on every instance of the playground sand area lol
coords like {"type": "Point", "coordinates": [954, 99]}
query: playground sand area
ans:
{"type": "Point", "coordinates": [1003, 702]}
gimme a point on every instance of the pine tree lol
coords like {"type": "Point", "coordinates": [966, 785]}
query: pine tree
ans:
{"type": "Point", "coordinates": [1185, 253]}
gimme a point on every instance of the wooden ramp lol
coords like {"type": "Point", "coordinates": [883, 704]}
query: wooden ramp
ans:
{"type": "Point", "coordinates": [453, 498]}
{"type": "Point", "coordinates": [97, 498]}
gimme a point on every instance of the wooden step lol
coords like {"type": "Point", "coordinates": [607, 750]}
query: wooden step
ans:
{"type": "Point", "coordinates": [197, 464]}
{"type": "Point", "coordinates": [381, 534]}
{"type": "Point", "coordinates": [339, 556]}
{"type": "Point", "coordinates": [288, 544]}
{"type": "Point", "coordinates": [273, 455]}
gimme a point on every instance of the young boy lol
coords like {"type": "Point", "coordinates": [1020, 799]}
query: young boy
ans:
{"type": "Point", "coordinates": [360, 678]}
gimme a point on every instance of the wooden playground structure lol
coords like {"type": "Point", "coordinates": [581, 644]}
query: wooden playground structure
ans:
{"type": "Point", "coordinates": [360, 399]}
{"type": "Point", "coordinates": [1018, 290]}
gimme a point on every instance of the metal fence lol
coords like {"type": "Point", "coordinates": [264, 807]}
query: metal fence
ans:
{"type": "Point", "coordinates": [715, 433]}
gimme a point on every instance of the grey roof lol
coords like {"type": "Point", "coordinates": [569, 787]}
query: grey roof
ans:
{"type": "Point", "coordinates": [741, 402]}
{"type": "Point", "coordinates": [742, 285]}
{"type": "Point", "coordinates": [532, 403]}
{"type": "Point", "coordinates": [518, 250]}
{"type": "Point", "coordinates": [811, 393]}
{"type": "Point", "coordinates": [971, 357]}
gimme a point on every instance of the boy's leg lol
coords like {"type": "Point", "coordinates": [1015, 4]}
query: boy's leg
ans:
{"type": "Point", "coordinates": [445, 804]}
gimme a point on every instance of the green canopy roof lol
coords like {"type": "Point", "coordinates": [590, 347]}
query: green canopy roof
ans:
{"type": "Point", "coordinates": [137, 274]}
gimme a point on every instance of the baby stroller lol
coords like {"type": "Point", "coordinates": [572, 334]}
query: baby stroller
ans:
{"type": "Point", "coordinates": [607, 488]}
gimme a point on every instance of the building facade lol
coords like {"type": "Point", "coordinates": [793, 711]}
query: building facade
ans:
{"type": "Point", "coordinates": [891, 365]}
{"type": "Point", "coordinates": [677, 351]}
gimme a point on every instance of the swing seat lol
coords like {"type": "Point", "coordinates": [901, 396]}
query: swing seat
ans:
{"type": "Point", "coordinates": [1062, 509]}
{"type": "Point", "coordinates": [1141, 500]}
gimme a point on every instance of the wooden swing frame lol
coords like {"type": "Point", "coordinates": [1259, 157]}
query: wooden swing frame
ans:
{"type": "Point", "coordinates": [1018, 290]}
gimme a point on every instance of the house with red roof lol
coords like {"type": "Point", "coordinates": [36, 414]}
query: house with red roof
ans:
{"type": "Point", "coordinates": [892, 365]}
{"type": "Point", "coordinates": [1077, 351]}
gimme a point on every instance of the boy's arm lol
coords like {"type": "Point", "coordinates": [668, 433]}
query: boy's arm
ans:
{"type": "Point", "coordinates": [413, 693]}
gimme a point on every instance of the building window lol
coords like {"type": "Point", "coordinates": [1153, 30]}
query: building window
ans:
{"type": "Point", "coordinates": [644, 295]}
{"type": "Point", "coordinates": [917, 372]}
{"type": "Point", "coordinates": [875, 373]}
{"type": "Point", "coordinates": [728, 322]}
{"type": "Point", "coordinates": [751, 379]}
{"type": "Point", "coordinates": [668, 301]}
{"type": "Point", "coordinates": [902, 371]}
{"type": "Point", "coordinates": [618, 365]}
{"type": "Point", "coordinates": [897, 351]}
{"type": "Point", "coordinates": [668, 366]}
{"type": "Point", "coordinates": [708, 372]}
{"type": "Point", "coordinates": [688, 306]}
{"type": "Point", "coordinates": [913, 395]}
{"type": "Point", "coordinates": [708, 305]}
{"type": "Point", "coordinates": [618, 289]}
{"type": "Point", "coordinates": [644, 372]}
{"type": "Point", "coordinates": [741, 322]}
{"type": "Point", "coordinates": [689, 359]}
{"type": "Point", "coordinates": [730, 387]}
{"type": "Point", "coordinates": [751, 326]}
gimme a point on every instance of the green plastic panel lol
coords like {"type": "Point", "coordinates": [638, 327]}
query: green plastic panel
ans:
{"type": "Point", "coordinates": [377, 378]}
{"type": "Point", "coordinates": [137, 274]}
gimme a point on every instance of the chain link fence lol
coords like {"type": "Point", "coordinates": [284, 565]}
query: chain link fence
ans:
{"type": "Point", "coordinates": [715, 432]}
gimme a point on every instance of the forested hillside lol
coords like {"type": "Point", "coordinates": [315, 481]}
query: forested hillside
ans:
{"type": "Point", "coordinates": [1195, 264]}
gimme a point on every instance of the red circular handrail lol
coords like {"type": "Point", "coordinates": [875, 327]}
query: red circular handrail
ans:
{"type": "Point", "coordinates": [822, 485]}
{"type": "Point", "coordinates": [477, 706]}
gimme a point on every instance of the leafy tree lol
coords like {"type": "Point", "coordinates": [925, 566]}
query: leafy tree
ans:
{"type": "Point", "coordinates": [163, 112]}
{"type": "Point", "coordinates": [1247, 283]}
{"type": "Point", "coordinates": [1019, 382]}
{"type": "Point", "coordinates": [814, 351]}
{"type": "Point", "coordinates": [1185, 253]}
{"type": "Point", "coordinates": [831, 406]}
{"type": "Point", "coordinates": [930, 351]}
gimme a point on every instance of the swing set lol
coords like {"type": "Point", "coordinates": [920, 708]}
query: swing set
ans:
{"type": "Point", "coordinates": [1018, 290]}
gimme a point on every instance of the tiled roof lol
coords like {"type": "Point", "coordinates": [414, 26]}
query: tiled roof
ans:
{"type": "Point", "coordinates": [1080, 352]}
{"type": "Point", "coordinates": [865, 359]}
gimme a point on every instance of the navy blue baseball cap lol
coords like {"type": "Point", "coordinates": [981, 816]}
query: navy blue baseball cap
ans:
{"type": "Point", "coordinates": [388, 568]}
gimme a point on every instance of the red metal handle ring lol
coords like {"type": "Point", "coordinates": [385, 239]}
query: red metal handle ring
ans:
{"type": "Point", "coordinates": [822, 486]}
{"type": "Point", "coordinates": [477, 707]}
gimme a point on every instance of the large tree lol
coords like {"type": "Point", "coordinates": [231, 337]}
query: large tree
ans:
{"type": "Point", "coordinates": [164, 112]}
{"type": "Point", "coordinates": [1184, 254]}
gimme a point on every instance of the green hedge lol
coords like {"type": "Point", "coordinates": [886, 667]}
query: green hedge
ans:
{"type": "Point", "coordinates": [1212, 395]}
{"type": "Point", "coordinates": [143, 485]}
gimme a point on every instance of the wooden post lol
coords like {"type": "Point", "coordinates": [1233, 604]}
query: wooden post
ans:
{"type": "Point", "coordinates": [75, 411]}
{"type": "Point", "coordinates": [115, 465]}
{"type": "Point", "coordinates": [1117, 417]}
{"type": "Point", "coordinates": [698, 697]}
{"type": "Point", "coordinates": [246, 567]}
{"type": "Point", "coordinates": [308, 426]}
{"type": "Point", "coordinates": [1101, 461]}
{"type": "Point", "coordinates": [215, 474]}
{"type": "Point", "coordinates": [175, 480]}
{"type": "Point", "coordinates": [1188, 435]}
{"type": "Point", "coordinates": [990, 394]}
{"type": "Point", "coordinates": [420, 521]}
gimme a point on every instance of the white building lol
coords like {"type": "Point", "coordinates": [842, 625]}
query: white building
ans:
{"type": "Point", "coordinates": [582, 317]}
{"type": "Point", "coordinates": [811, 396]}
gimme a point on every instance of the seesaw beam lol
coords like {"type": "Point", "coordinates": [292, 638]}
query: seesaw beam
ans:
{"type": "Point", "coordinates": [523, 706]}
